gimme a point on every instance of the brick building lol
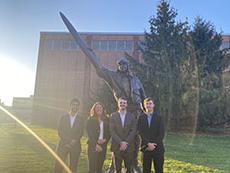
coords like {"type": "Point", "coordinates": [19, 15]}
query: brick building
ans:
{"type": "Point", "coordinates": [63, 72]}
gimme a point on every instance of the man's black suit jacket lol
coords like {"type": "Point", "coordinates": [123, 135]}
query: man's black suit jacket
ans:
{"type": "Point", "coordinates": [68, 133]}
{"type": "Point", "coordinates": [153, 133]}
{"type": "Point", "coordinates": [119, 133]}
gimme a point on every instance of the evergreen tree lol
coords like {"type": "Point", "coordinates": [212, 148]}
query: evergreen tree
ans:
{"type": "Point", "coordinates": [165, 49]}
{"type": "Point", "coordinates": [210, 64]}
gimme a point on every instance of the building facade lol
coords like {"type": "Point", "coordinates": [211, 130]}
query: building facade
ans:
{"type": "Point", "coordinates": [63, 72]}
{"type": "Point", "coordinates": [225, 41]}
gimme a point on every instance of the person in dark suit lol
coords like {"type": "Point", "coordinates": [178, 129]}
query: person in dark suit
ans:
{"type": "Point", "coordinates": [70, 131]}
{"type": "Point", "coordinates": [123, 130]}
{"type": "Point", "coordinates": [98, 136]}
{"type": "Point", "coordinates": [151, 130]}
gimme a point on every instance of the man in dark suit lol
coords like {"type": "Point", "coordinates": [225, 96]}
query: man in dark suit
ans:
{"type": "Point", "coordinates": [151, 130]}
{"type": "Point", "coordinates": [70, 131]}
{"type": "Point", "coordinates": [123, 131]}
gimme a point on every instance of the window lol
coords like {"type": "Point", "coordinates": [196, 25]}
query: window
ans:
{"type": "Point", "coordinates": [57, 45]}
{"type": "Point", "coordinates": [48, 44]}
{"type": "Point", "coordinates": [73, 45]}
{"type": "Point", "coordinates": [95, 45]}
{"type": "Point", "coordinates": [103, 45]}
{"type": "Point", "coordinates": [112, 45]}
{"type": "Point", "coordinates": [66, 45]}
{"type": "Point", "coordinates": [129, 45]}
{"type": "Point", "coordinates": [120, 45]}
{"type": "Point", "coordinates": [225, 44]}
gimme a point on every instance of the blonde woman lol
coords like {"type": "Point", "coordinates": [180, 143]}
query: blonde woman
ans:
{"type": "Point", "coordinates": [98, 136]}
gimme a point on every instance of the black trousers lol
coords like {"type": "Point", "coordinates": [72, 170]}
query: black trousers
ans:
{"type": "Point", "coordinates": [123, 156]}
{"type": "Point", "coordinates": [63, 153]}
{"type": "Point", "coordinates": [156, 158]}
{"type": "Point", "coordinates": [96, 160]}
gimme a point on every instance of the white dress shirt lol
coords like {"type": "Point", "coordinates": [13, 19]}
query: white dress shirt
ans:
{"type": "Point", "coordinates": [122, 116]}
{"type": "Point", "coordinates": [72, 119]}
{"type": "Point", "coordinates": [101, 124]}
{"type": "Point", "coordinates": [149, 118]}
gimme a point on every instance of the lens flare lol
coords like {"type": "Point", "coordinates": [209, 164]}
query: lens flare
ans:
{"type": "Point", "coordinates": [38, 138]}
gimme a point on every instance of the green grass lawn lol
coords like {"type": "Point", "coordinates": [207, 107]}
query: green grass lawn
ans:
{"type": "Point", "coordinates": [21, 153]}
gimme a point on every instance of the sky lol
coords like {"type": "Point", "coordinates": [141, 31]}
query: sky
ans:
{"type": "Point", "coordinates": [21, 22]}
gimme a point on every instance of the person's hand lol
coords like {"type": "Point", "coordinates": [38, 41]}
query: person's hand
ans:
{"type": "Point", "coordinates": [123, 146]}
{"type": "Point", "coordinates": [151, 146]}
{"type": "Point", "coordinates": [73, 141]}
{"type": "Point", "coordinates": [98, 148]}
{"type": "Point", "coordinates": [101, 141]}
{"type": "Point", "coordinates": [68, 146]}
